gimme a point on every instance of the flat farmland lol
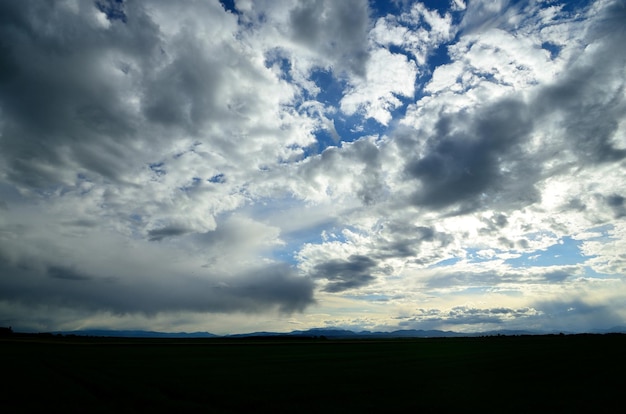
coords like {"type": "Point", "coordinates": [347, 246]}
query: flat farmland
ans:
{"type": "Point", "coordinates": [552, 373]}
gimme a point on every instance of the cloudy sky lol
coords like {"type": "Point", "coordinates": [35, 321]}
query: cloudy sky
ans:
{"type": "Point", "coordinates": [240, 166]}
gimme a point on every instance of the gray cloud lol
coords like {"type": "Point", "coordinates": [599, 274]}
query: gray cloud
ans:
{"type": "Point", "coordinates": [617, 204]}
{"type": "Point", "coordinates": [345, 274]}
{"type": "Point", "coordinates": [62, 101]}
{"type": "Point", "coordinates": [578, 315]}
{"type": "Point", "coordinates": [469, 279]}
{"type": "Point", "coordinates": [590, 96]}
{"type": "Point", "coordinates": [264, 288]}
{"type": "Point", "coordinates": [464, 315]}
{"type": "Point", "coordinates": [494, 225]}
{"type": "Point", "coordinates": [465, 161]}
{"type": "Point", "coordinates": [482, 158]}
{"type": "Point", "coordinates": [162, 233]}
{"type": "Point", "coordinates": [184, 92]}
{"type": "Point", "coordinates": [60, 272]}
{"type": "Point", "coordinates": [401, 240]}
{"type": "Point", "coordinates": [335, 29]}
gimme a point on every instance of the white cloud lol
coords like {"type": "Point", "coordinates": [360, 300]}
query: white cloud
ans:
{"type": "Point", "coordinates": [389, 76]}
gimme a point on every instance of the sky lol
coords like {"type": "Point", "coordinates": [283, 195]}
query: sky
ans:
{"type": "Point", "coordinates": [269, 165]}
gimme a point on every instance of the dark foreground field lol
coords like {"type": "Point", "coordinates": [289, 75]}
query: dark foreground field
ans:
{"type": "Point", "coordinates": [574, 373]}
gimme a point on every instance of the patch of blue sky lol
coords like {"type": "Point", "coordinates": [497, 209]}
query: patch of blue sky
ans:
{"type": "Point", "coordinates": [323, 139]}
{"type": "Point", "coordinates": [348, 129]}
{"type": "Point", "coordinates": [400, 111]}
{"type": "Point", "coordinates": [370, 298]}
{"type": "Point", "coordinates": [553, 48]}
{"type": "Point", "coordinates": [276, 58]}
{"type": "Point", "coordinates": [438, 56]}
{"type": "Point", "coordinates": [113, 9]}
{"type": "Point", "coordinates": [331, 86]}
{"type": "Point", "coordinates": [565, 252]}
{"type": "Point", "coordinates": [538, 235]}
{"type": "Point", "coordinates": [447, 262]}
{"type": "Point", "coordinates": [275, 212]}
{"type": "Point", "coordinates": [382, 8]}
{"type": "Point", "coordinates": [293, 242]}
{"type": "Point", "coordinates": [471, 290]}
{"type": "Point", "coordinates": [590, 272]}
{"type": "Point", "coordinates": [137, 225]}
{"type": "Point", "coordinates": [574, 6]}
{"type": "Point", "coordinates": [603, 232]}
{"type": "Point", "coordinates": [158, 168]}
{"type": "Point", "coordinates": [195, 182]}
{"type": "Point", "coordinates": [441, 6]}
{"type": "Point", "coordinates": [217, 179]}
{"type": "Point", "coordinates": [321, 232]}
{"type": "Point", "coordinates": [229, 5]}
{"type": "Point", "coordinates": [474, 255]}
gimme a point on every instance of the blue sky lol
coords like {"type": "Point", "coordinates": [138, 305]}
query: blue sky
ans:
{"type": "Point", "coordinates": [239, 166]}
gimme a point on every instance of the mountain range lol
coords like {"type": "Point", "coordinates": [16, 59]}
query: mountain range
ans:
{"type": "Point", "coordinates": [328, 333]}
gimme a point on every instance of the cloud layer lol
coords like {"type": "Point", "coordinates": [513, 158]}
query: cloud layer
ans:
{"type": "Point", "coordinates": [271, 163]}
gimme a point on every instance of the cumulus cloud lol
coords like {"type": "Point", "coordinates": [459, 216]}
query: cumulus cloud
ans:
{"type": "Point", "coordinates": [471, 158]}
{"type": "Point", "coordinates": [335, 29]}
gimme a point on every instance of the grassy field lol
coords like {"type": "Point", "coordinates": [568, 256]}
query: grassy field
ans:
{"type": "Point", "coordinates": [572, 373]}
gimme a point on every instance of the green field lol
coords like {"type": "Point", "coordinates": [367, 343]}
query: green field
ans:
{"type": "Point", "coordinates": [572, 373]}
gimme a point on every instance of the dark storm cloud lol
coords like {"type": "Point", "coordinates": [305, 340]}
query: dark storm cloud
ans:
{"type": "Point", "coordinates": [592, 119]}
{"type": "Point", "coordinates": [336, 29]}
{"type": "Point", "coordinates": [617, 203]}
{"type": "Point", "coordinates": [162, 233]}
{"type": "Point", "coordinates": [345, 274]}
{"type": "Point", "coordinates": [263, 288]}
{"type": "Point", "coordinates": [60, 105]}
{"type": "Point", "coordinates": [80, 98]}
{"type": "Point", "coordinates": [474, 157]}
{"type": "Point", "coordinates": [61, 272]}
{"type": "Point", "coordinates": [405, 240]}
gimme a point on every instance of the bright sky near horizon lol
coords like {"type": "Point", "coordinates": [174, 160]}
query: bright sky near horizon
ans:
{"type": "Point", "coordinates": [269, 165]}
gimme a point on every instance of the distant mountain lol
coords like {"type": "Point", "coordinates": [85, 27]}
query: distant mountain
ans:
{"type": "Point", "coordinates": [334, 333]}
{"type": "Point", "coordinates": [136, 334]}
{"type": "Point", "coordinates": [615, 329]}
{"type": "Point", "coordinates": [409, 333]}
{"type": "Point", "coordinates": [328, 333]}
{"type": "Point", "coordinates": [258, 334]}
